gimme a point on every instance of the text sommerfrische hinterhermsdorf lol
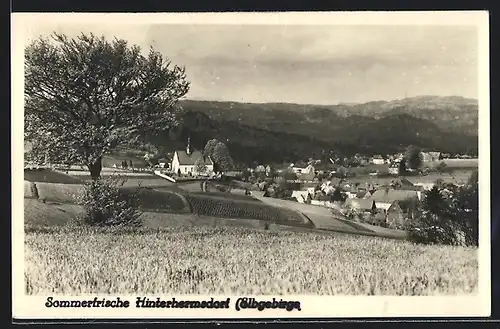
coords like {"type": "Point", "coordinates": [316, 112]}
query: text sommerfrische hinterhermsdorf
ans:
{"type": "Point", "coordinates": [242, 303]}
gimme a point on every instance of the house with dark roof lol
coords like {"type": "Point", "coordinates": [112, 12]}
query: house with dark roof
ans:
{"type": "Point", "coordinates": [307, 176]}
{"type": "Point", "coordinates": [185, 162]}
{"type": "Point", "coordinates": [363, 194]}
{"type": "Point", "coordinates": [364, 205]}
{"type": "Point", "coordinates": [385, 198]}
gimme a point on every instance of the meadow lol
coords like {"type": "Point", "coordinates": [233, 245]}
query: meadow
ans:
{"type": "Point", "coordinates": [193, 242]}
{"type": "Point", "coordinates": [160, 196]}
{"type": "Point", "coordinates": [234, 260]}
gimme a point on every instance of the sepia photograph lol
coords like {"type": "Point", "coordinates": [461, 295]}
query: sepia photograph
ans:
{"type": "Point", "coordinates": [327, 155]}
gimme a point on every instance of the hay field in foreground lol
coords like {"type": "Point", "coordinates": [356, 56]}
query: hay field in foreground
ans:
{"type": "Point", "coordinates": [204, 260]}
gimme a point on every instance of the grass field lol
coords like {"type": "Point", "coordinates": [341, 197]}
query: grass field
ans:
{"type": "Point", "coordinates": [50, 176]}
{"type": "Point", "coordinates": [50, 214]}
{"type": "Point", "coordinates": [203, 260]}
{"type": "Point", "coordinates": [165, 197]}
{"type": "Point", "coordinates": [461, 163]}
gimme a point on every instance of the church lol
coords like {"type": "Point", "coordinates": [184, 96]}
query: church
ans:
{"type": "Point", "coordinates": [184, 162]}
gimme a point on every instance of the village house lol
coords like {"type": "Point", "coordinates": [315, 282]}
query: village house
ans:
{"type": "Point", "coordinates": [425, 185]}
{"type": "Point", "coordinates": [385, 198]}
{"type": "Point", "coordinates": [303, 169]}
{"type": "Point", "coordinates": [394, 215]}
{"type": "Point", "coordinates": [363, 194]}
{"type": "Point", "coordinates": [301, 196]}
{"type": "Point", "coordinates": [328, 188]}
{"type": "Point", "coordinates": [324, 202]}
{"type": "Point", "coordinates": [163, 163]}
{"type": "Point", "coordinates": [268, 170]}
{"type": "Point", "coordinates": [307, 176]}
{"type": "Point", "coordinates": [233, 173]}
{"type": "Point", "coordinates": [378, 160]}
{"type": "Point", "coordinates": [184, 162]}
{"type": "Point", "coordinates": [403, 184]}
{"type": "Point", "coordinates": [362, 205]}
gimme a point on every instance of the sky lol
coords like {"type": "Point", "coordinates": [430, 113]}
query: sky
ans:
{"type": "Point", "coordinates": [308, 64]}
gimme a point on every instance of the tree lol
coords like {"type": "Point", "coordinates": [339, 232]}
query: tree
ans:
{"type": "Point", "coordinates": [466, 207]}
{"type": "Point", "coordinates": [441, 167]}
{"type": "Point", "coordinates": [289, 174]}
{"type": "Point", "coordinates": [199, 166]}
{"type": "Point", "coordinates": [209, 147]}
{"type": "Point", "coordinates": [474, 178]}
{"type": "Point", "coordinates": [151, 159]}
{"type": "Point", "coordinates": [86, 96]}
{"type": "Point", "coordinates": [341, 171]}
{"type": "Point", "coordinates": [410, 206]}
{"type": "Point", "coordinates": [413, 157]}
{"type": "Point", "coordinates": [449, 218]}
{"type": "Point", "coordinates": [434, 202]}
{"type": "Point", "coordinates": [246, 175]}
{"type": "Point", "coordinates": [221, 157]}
{"type": "Point", "coordinates": [338, 195]}
{"type": "Point", "coordinates": [402, 167]}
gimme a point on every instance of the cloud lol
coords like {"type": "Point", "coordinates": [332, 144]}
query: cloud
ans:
{"type": "Point", "coordinates": [309, 64]}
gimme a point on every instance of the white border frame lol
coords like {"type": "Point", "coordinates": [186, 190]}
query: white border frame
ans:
{"type": "Point", "coordinates": [29, 307]}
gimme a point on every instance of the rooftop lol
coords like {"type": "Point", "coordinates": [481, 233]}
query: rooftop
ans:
{"type": "Point", "coordinates": [190, 159]}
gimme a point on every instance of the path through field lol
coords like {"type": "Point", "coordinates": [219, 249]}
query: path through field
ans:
{"type": "Point", "coordinates": [324, 219]}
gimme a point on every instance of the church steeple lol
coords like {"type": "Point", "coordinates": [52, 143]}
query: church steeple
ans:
{"type": "Point", "coordinates": [188, 148]}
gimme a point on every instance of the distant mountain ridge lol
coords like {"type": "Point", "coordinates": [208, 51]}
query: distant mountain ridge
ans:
{"type": "Point", "coordinates": [449, 113]}
{"type": "Point", "coordinates": [279, 132]}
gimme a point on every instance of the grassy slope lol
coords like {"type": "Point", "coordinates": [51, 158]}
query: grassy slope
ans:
{"type": "Point", "coordinates": [51, 214]}
{"type": "Point", "coordinates": [174, 200]}
{"type": "Point", "coordinates": [49, 176]}
{"type": "Point", "coordinates": [228, 206]}
{"type": "Point", "coordinates": [202, 260]}
{"type": "Point", "coordinates": [323, 219]}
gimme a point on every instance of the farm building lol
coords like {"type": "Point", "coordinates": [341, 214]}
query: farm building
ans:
{"type": "Point", "coordinates": [328, 204]}
{"type": "Point", "coordinates": [384, 198]}
{"type": "Point", "coordinates": [301, 196]}
{"type": "Point", "coordinates": [184, 162]}
{"type": "Point", "coordinates": [403, 184]}
{"type": "Point", "coordinates": [303, 170]}
{"type": "Point", "coordinates": [307, 176]}
{"type": "Point", "coordinates": [378, 160]}
{"type": "Point", "coordinates": [351, 195]}
{"type": "Point", "coordinates": [364, 205]}
{"type": "Point", "coordinates": [425, 185]}
{"type": "Point", "coordinates": [394, 215]}
{"type": "Point", "coordinates": [363, 194]}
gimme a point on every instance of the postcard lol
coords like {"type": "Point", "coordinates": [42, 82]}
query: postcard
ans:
{"type": "Point", "coordinates": [250, 165]}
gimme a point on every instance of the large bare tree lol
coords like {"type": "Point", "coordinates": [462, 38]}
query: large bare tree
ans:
{"type": "Point", "coordinates": [86, 96]}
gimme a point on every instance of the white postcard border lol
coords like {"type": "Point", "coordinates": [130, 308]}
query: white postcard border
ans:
{"type": "Point", "coordinates": [25, 307]}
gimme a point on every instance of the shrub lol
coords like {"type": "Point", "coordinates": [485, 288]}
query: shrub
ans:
{"type": "Point", "coordinates": [106, 204]}
{"type": "Point", "coordinates": [377, 218]}
{"type": "Point", "coordinates": [447, 215]}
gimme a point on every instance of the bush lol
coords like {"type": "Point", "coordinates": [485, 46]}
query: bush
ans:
{"type": "Point", "coordinates": [377, 219]}
{"type": "Point", "coordinates": [427, 229]}
{"type": "Point", "coordinates": [106, 204]}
